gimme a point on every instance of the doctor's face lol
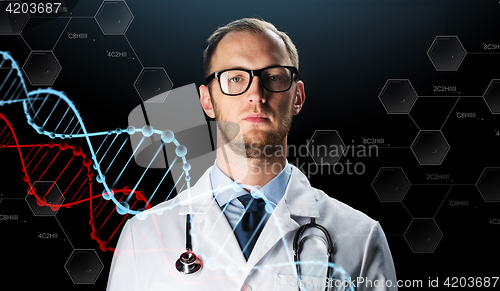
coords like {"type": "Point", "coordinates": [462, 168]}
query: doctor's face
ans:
{"type": "Point", "coordinates": [263, 117]}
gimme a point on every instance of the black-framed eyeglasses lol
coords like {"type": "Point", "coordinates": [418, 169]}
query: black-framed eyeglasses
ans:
{"type": "Point", "coordinates": [233, 82]}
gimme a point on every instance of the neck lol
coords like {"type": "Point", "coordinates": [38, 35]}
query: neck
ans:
{"type": "Point", "coordinates": [255, 171]}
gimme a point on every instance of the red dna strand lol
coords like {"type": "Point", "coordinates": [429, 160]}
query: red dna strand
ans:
{"type": "Point", "coordinates": [60, 176]}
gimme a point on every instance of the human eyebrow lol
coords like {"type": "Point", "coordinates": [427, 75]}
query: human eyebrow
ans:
{"type": "Point", "coordinates": [237, 68]}
{"type": "Point", "coordinates": [245, 69]}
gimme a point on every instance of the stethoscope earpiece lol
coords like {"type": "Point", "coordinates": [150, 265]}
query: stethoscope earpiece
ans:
{"type": "Point", "coordinates": [188, 263]}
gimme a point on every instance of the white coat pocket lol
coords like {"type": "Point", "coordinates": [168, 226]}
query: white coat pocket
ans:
{"type": "Point", "coordinates": [306, 283]}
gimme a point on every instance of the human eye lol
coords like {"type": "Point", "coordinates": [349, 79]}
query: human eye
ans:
{"type": "Point", "coordinates": [276, 75]}
{"type": "Point", "coordinates": [235, 79]}
{"type": "Point", "coordinates": [275, 78]}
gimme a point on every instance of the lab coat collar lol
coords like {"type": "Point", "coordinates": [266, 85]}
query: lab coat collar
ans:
{"type": "Point", "coordinates": [198, 198]}
{"type": "Point", "coordinates": [299, 197]}
{"type": "Point", "coordinates": [299, 200]}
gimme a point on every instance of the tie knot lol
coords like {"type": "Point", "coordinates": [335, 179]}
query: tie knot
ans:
{"type": "Point", "coordinates": [250, 203]}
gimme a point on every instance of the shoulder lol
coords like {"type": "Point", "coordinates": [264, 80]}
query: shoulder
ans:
{"type": "Point", "coordinates": [345, 219]}
{"type": "Point", "coordinates": [342, 216]}
{"type": "Point", "coordinates": [358, 238]}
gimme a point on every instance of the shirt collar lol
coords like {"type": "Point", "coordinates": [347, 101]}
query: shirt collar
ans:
{"type": "Point", "coordinates": [272, 191]}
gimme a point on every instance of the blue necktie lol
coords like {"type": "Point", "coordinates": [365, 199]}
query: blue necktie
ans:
{"type": "Point", "coordinates": [247, 230]}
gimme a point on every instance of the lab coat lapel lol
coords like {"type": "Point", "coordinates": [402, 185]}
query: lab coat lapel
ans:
{"type": "Point", "coordinates": [299, 200]}
{"type": "Point", "coordinates": [214, 236]}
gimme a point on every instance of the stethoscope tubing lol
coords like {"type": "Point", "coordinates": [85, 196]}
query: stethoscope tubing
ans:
{"type": "Point", "coordinates": [189, 263]}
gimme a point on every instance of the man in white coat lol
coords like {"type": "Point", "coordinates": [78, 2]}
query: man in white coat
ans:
{"type": "Point", "coordinates": [245, 211]}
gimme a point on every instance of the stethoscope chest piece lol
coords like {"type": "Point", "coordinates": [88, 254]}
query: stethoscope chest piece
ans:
{"type": "Point", "coordinates": [188, 263]}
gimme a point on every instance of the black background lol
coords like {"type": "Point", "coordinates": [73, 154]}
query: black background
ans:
{"type": "Point", "coordinates": [348, 50]}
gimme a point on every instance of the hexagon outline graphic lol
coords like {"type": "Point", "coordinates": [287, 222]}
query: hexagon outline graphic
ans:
{"type": "Point", "coordinates": [25, 42]}
{"type": "Point", "coordinates": [153, 99]}
{"type": "Point", "coordinates": [448, 188]}
{"type": "Point", "coordinates": [99, 11]}
{"type": "Point", "coordinates": [29, 195]}
{"type": "Point", "coordinates": [480, 178]}
{"type": "Point", "coordinates": [55, 43]}
{"type": "Point", "coordinates": [408, 229]}
{"type": "Point", "coordinates": [404, 194]}
{"type": "Point", "coordinates": [487, 91]}
{"type": "Point", "coordinates": [28, 60]}
{"type": "Point", "coordinates": [432, 46]}
{"type": "Point", "coordinates": [416, 139]}
{"type": "Point", "coordinates": [383, 90]}
{"type": "Point", "coordinates": [312, 138]}
{"type": "Point", "coordinates": [70, 258]}
{"type": "Point", "coordinates": [23, 25]}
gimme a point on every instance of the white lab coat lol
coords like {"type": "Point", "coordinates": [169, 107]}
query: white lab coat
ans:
{"type": "Point", "coordinates": [150, 244]}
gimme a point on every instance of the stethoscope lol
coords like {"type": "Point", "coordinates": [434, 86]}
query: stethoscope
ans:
{"type": "Point", "coordinates": [189, 263]}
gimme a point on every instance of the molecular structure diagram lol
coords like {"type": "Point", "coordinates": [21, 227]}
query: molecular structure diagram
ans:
{"type": "Point", "coordinates": [429, 147]}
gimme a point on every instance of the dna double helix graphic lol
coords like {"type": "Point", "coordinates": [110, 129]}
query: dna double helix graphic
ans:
{"type": "Point", "coordinates": [61, 175]}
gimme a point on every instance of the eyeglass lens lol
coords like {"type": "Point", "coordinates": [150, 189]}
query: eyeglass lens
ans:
{"type": "Point", "coordinates": [273, 79]}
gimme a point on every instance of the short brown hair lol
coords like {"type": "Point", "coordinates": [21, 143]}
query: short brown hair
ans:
{"type": "Point", "coordinates": [246, 24]}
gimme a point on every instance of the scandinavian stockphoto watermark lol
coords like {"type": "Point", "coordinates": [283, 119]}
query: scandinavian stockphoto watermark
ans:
{"type": "Point", "coordinates": [353, 283]}
{"type": "Point", "coordinates": [329, 159]}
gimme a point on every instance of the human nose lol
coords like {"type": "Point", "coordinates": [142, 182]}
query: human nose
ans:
{"type": "Point", "coordinates": [256, 91]}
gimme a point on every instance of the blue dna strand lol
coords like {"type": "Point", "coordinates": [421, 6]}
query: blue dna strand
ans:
{"type": "Point", "coordinates": [52, 113]}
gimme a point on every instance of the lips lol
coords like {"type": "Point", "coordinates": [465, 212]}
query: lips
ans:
{"type": "Point", "coordinates": [256, 115]}
{"type": "Point", "coordinates": [256, 118]}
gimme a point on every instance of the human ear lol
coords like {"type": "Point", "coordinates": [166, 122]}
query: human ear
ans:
{"type": "Point", "coordinates": [300, 97]}
{"type": "Point", "coordinates": [205, 101]}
